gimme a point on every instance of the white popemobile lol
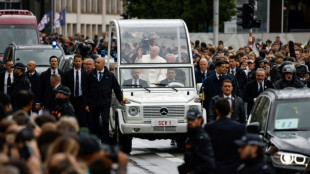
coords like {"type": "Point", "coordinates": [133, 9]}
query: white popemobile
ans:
{"type": "Point", "coordinates": [155, 70]}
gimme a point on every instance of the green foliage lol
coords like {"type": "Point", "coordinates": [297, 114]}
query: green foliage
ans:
{"type": "Point", "coordinates": [198, 14]}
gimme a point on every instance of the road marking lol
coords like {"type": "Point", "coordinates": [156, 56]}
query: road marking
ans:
{"type": "Point", "coordinates": [175, 160]}
{"type": "Point", "coordinates": [165, 155]}
{"type": "Point", "coordinates": [170, 157]}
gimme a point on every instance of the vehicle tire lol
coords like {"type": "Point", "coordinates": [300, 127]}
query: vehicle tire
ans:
{"type": "Point", "coordinates": [124, 141]}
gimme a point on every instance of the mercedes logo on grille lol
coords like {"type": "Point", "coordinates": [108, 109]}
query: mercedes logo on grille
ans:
{"type": "Point", "coordinates": [163, 111]}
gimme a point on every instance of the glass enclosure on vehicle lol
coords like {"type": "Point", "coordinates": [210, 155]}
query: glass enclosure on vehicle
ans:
{"type": "Point", "coordinates": [292, 115]}
{"type": "Point", "coordinates": [19, 34]}
{"type": "Point", "coordinates": [161, 77]}
{"type": "Point", "coordinates": [40, 56]}
{"type": "Point", "coordinates": [152, 41]}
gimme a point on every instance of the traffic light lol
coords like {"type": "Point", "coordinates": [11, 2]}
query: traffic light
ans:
{"type": "Point", "coordinates": [246, 17]}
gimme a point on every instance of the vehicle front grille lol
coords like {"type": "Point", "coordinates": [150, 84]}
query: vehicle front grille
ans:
{"type": "Point", "coordinates": [155, 111]}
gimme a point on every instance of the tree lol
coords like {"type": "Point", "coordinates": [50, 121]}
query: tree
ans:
{"type": "Point", "coordinates": [198, 14]}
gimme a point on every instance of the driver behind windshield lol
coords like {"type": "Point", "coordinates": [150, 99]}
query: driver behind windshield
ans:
{"type": "Point", "coordinates": [135, 81]}
{"type": "Point", "coordinates": [171, 77]}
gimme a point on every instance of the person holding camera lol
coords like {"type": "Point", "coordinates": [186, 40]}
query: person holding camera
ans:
{"type": "Point", "coordinates": [198, 155]}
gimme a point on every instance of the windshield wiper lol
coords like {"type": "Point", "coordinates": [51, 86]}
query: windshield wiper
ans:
{"type": "Point", "coordinates": [288, 129]}
{"type": "Point", "coordinates": [139, 86]}
{"type": "Point", "coordinates": [165, 85]}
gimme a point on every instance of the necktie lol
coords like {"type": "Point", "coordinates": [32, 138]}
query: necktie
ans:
{"type": "Point", "coordinates": [229, 100]}
{"type": "Point", "coordinates": [261, 89]}
{"type": "Point", "coordinates": [54, 72]}
{"type": "Point", "coordinates": [77, 84]}
{"type": "Point", "coordinates": [135, 83]}
{"type": "Point", "coordinates": [233, 72]}
{"type": "Point", "coordinates": [9, 82]}
{"type": "Point", "coordinates": [100, 76]}
{"type": "Point", "coordinates": [220, 77]}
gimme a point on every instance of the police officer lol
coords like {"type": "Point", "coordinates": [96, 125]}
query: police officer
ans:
{"type": "Point", "coordinates": [91, 46]}
{"type": "Point", "coordinates": [198, 155]}
{"type": "Point", "coordinates": [21, 82]}
{"type": "Point", "coordinates": [289, 78]}
{"type": "Point", "coordinates": [250, 149]}
{"type": "Point", "coordinates": [63, 106]}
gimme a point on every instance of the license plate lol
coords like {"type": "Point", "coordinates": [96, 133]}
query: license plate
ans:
{"type": "Point", "coordinates": [164, 122]}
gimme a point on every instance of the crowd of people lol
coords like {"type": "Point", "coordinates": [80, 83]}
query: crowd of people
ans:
{"type": "Point", "coordinates": [57, 122]}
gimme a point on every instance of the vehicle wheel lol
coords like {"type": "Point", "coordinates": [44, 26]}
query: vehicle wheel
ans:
{"type": "Point", "coordinates": [124, 141]}
{"type": "Point", "coordinates": [180, 143]}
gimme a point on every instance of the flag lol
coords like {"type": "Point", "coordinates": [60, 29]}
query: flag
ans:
{"type": "Point", "coordinates": [60, 18]}
{"type": "Point", "coordinates": [45, 21]}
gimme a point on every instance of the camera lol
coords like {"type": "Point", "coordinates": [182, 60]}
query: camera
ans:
{"type": "Point", "coordinates": [83, 49]}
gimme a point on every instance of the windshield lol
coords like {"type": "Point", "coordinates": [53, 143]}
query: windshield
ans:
{"type": "Point", "coordinates": [156, 77]}
{"type": "Point", "coordinates": [292, 115]}
{"type": "Point", "coordinates": [19, 34]}
{"type": "Point", "coordinates": [153, 41]}
{"type": "Point", "coordinates": [40, 56]}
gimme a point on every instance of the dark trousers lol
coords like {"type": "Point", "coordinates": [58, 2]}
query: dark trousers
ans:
{"type": "Point", "coordinates": [80, 112]}
{"type": "Point", "coordinates": [97, 126]}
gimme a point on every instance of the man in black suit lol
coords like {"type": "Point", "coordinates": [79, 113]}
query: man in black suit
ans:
{"type": "Point", "coordinates": [171, 74]}
{"type": "Point", "coordinates": [55, 81]}
{"type": "Point", "coordinates": [7, 78]}
{"type": "Point", "coordinates": [75, 79]}
{"type": "Point", "coordinates": [46, 89]}
{"type": "Point", "coordinates": [202, 73]}
{"type": "Point", "coordinates": [223, 132]}
{"type": "Point", "coordinates": [135, 82]}
{"type": "Point", "coordinates": [255, 87]}
{"type": "Point", "coordinates": [240, 75]}
{"type": "Point", "coordinates": [236, 103]}
{"type": "Point", "coordinates": [212, 85]}
{"type": "Point", "coordinates": [99, 85]}
{"type": "Point", "coordinates": [34, 78]}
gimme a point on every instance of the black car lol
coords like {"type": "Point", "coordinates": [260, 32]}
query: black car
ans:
{"type": "Point", "coordinates": [282, 117]}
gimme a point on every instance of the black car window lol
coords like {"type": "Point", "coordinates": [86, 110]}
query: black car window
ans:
{"type": "Point", "coordinates": [257, 109]}
{"type": "Point", "coordinates": [264, 114]}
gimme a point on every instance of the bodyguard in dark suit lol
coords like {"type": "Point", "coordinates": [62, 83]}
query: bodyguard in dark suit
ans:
{"type": "Point", "coordinates": [7, 78]}
{"type": "Point", "coordinates": [223, 132]}
{"type": "Point", "coordinates": [236, 103]}
{"type": "Point", "coordinates": [212, 85]}
{"type": "Point", "coordinates": [255, 87]}
{"type": "Point", "coordinates": [238, 73]}
{"type": "Point", "coordinates": [75, 79]}
{"type": "Point", "coordinates": [135, 81]}
{"type": "Point", "coordinates": [202, 72]}
{"type": "Point", "coordinates": [34, 78]}
{"type": "Point", "coordinates": [99, 85]}
{"type": "Point", "coordinates": [46, 89]}
{"type": "Point", "coordinates": [55, 85]}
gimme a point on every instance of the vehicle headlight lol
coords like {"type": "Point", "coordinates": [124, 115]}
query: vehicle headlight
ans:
{"type": "Point", "coordinates": [290, 158]}
{"type": "Point", "coordinates": [133, 110]}
{"type": "Point", "coordinates": [194, 107]}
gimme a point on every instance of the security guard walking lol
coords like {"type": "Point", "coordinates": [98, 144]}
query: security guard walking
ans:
{"type": "Point", "coordinates": [252, 154]}
{"type": "Point", "coordinates": [198, 155]}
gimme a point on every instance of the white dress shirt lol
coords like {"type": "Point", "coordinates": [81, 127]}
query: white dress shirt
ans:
{"type": "Point", "coordinates": [229, 98]}
{"type": "Point", "coordinates": [52, 71]}
{"type": "Point", "coordinates": [6, 80]}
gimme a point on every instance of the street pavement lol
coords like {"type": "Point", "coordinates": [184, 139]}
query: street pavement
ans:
{"type": "Point", "coordinates": [154, 157]}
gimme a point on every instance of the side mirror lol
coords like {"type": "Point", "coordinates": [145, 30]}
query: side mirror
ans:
{"type": "Point", "coordinates": [198, 87]}
{"type": "Point", "coordinates": [253, 128]}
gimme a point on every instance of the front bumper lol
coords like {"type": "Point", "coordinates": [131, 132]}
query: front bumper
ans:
{"type": "Point", "coordinates": [149, 129]}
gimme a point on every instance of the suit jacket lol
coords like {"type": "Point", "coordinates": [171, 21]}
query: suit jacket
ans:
{"type": "Point", "coordinates": [241, 79]}
{"type": "Point", "coordinates": [199, 76]}
{"type": "Point", "coordinates": [45, 86]}
{"type": "Point", "coordinates": [68, 80]}
{"type": "Point", "coordinates": [251, 92]}
{"type": "Point", "coordinates": [223, 133]}
{"type": "Point", "coordinates": [2, 75]}
{"type": "Point", "coordinates": [20, 83]}
{"type": "Point", "coordinates": [212, 87]}
{"type": "Point", "coordinates": [99, 93]}
{"type": "Point", "coordinates": [35, 85]}
{"type": "Point", "coordinates": [237, 114]}
{"type": "Point", "coordinates": [128, 83]}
